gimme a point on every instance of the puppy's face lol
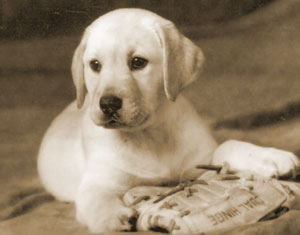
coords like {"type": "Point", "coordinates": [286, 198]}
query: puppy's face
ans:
{"type": "Point", "coordinates": [123, 73]}
{"type": "Point", "coordinates": [131, 62]}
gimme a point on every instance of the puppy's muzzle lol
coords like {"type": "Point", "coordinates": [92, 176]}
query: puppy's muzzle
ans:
{"type": "Point", "coordinates": [110, 105]}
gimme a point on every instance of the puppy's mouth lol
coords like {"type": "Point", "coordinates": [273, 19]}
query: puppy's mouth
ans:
{"type": "Point", "coordinates": [116, 121]}
{"type": "Point", "coordinates": [113, 121]}
{"type": "Point", "coordinates": [117, 124]}
{"type": "Point", "coordinates": [113, 124]}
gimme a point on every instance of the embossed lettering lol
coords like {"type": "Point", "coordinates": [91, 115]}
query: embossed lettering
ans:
{"type": "Point", "coordinates": [224, 215]}
{"type": "Point", "coordinates": [251, 203]}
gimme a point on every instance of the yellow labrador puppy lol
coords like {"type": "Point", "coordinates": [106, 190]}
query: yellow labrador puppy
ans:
{"type": "Point", "coordinates": [132, 127]}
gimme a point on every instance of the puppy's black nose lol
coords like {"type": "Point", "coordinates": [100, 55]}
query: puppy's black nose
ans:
{"type": "Point", "coordinates": [110, 104]}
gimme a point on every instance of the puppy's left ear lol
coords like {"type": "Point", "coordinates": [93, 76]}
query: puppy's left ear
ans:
{"type": "Point", "coordinates": [182, 59]}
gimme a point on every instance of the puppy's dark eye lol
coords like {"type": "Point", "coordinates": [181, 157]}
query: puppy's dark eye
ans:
{"type": "Point", "coordinates": [138, 63]}
{"type": "Point", "coordinates": [95, 65]}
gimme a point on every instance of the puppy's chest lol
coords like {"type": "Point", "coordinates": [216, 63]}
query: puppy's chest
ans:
{"type": "Point", "coordinates": [162, 159]}
{"type": "Point", "coordinates": [157, 146]}
{"type": "Point", "coordinates": [155, 155]}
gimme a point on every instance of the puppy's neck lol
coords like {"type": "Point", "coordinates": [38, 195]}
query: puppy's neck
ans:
{"type": "Point", "coordinates": [152, 137]}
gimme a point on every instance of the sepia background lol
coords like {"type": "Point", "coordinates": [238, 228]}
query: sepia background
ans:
{"type": "Point", "coordinates": [249, 88]}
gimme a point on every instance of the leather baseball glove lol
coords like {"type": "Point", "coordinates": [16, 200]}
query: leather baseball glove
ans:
{"type": "Point", "coordinates": [213, 201]}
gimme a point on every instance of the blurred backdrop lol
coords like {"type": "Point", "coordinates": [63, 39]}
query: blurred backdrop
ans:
{"type": "Point", "coordinates": [21, 18]}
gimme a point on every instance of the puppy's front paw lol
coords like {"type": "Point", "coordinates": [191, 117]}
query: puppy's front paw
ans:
{"type": "Point", "coordinates": [264, 162]}
{"type": "Point", "coordinates": [282, 163]}
{"type": "Point", "coordinates": [105, 214]}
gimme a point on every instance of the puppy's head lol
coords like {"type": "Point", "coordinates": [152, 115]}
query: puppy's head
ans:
{"type": "Point", "coordinates": [131, 63]}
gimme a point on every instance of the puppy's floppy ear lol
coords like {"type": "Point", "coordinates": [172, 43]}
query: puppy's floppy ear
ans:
{"type": "Point", "coordinates": [78, 71]}
{"type": "Point", "coordinates": [182, 59]}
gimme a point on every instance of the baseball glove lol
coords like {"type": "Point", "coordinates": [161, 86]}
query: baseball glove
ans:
{"type": "Point", "coordinates": [214, 201]}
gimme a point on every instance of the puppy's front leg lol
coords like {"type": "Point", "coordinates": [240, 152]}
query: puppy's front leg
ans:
{"type": "Point", "coordinates": [99, 205]}
{"type": "Point", "coordinates": [254, 160]}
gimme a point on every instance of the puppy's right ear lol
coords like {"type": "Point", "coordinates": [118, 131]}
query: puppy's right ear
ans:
{"type": "Point", "coordinates": [78, 71]}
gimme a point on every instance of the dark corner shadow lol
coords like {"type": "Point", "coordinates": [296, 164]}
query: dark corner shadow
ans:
{"type": "Point", "coordinates": [261, 119]}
